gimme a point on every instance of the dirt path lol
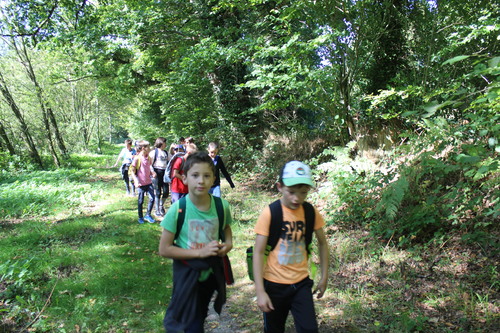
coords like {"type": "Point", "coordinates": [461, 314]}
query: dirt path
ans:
{"type": "Point", "coordinates": [240, 313]}
{"type": "Point", "coordinates": [224, 323]}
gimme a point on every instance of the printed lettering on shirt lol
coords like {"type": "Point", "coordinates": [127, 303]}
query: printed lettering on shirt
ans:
{"type": "Point", "coordinates": [202, 232]}
{"type": "Point", "coordinates": [292, 247]}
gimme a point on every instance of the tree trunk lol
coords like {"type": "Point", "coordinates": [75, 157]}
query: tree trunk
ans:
{"type": "Point", "coordinates": [24, 127]}
{"type": "Point", "coordinates": [6, 141]}
{"type": "Point", "coordinates": [48, 115]}
{"type": "Point", "coordinates": [57, 134]}
{"type": "Point", "coordinates": [52, 150]}
{"type": "Point", "coordinates": [98, 113]}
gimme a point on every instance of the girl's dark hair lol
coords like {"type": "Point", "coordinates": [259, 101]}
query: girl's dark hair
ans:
{"type": "Point", "coordinates": [159, 142]}
{"type": "Point", "coordinates": [198, 157]}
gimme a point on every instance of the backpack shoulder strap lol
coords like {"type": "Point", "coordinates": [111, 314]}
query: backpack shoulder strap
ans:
{"type": "Point", "coordinates": [310, 216]}
{"type": "Point", "coordinates": [275, 226]}
{"type": "Point", "coordinates": [181, 215]}
{"type": "Point", "coordinates": [171, 162]}
{"type": "Point", "coordinates": [220, 214]}
{"type": "Point", "coordinates": [156, 156]}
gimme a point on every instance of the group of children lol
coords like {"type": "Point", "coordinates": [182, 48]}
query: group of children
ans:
{"type": "Point", "coordinates": [150, 173]}
{"type": "Point", "coordinates": [196, 234]}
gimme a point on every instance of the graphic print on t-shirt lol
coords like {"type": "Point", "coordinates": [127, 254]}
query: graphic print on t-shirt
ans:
{"type": "Point", "coordinates": [292, 247]}
{"type": "Point", "coordinates": [202, 232]}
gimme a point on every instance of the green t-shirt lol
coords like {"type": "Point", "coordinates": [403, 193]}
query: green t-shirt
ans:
{"type": "Point", "coordinates": [199, 228]}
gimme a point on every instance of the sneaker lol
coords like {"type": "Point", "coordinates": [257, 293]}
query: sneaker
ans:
{"type": "Point", "coordinates": [141, 220]}
{"type": "Point", "coordinates": [149, 218]}
{"type": "Point", "coordinates": [159, 214]}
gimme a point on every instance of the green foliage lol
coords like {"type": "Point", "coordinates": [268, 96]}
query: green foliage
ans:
{"type": "Point", "coordinates": [65, 256]}
{"type": "Point", "coordinates": [345, 186]}
{"type": "Point", "coordinates": [12, 163]}
{"type": "Point", "coordinates": [265, 164]}
{"type": "Point", "coordinates": [27, 193]}
{"type": "Point", "coordinates": [439, 186]}
{"type": "Point", "coordinates": [17, 276]}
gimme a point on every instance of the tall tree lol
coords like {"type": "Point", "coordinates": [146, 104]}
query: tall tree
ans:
{"type": "Point", "coordinates": [19, 116]}
{"type": "Point", "coordinates": [5, 139]}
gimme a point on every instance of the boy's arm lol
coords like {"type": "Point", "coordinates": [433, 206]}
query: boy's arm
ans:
{"type": "Point", "coordinates": [151, 168]}
{"type": "Point", "coordinates": [177, 174]}
{"type": "Point", "coordinates": [263, 300]}
{"type": "Point", "coordinates": [167, 249]}
{"type": "Point", "coordinates": [323, 261]}
{"type": "Point", "coordinates": [176, 169]}
{"type": "Point", "coordinates": [225, 173]}
{"type": "Point", "coordinates": [134, 172]}
{"type": "Point", "coordinates": [118, 159]}
{"type": "Point", "coordinates": [228, 244]}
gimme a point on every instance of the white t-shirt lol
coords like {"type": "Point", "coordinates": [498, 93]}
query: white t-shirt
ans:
{"type": "Point", "coordinates": [161, 159]}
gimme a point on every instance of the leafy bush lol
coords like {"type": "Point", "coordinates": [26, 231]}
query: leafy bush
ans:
{"type": "Point", "coordinates": [437, 187]}
{"type": "Point", "coordinates": [15, 277]}
{"type": "Point", "coordinates": [14, 163]}
{"type": "Point", "coordinates": [280, 149]}
{"type": "Point", "coordinates": [343, 186]}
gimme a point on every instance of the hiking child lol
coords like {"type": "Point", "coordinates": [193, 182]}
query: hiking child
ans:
{"type": "Point", "coordinates": [142, 171]}
{"type": "Point", "coordinates": [160, 159]}
{"type": "Point", "coordinates": [178, 188]}
{"type": "Point", "coordinates": [127, 154]}
{"type": "Point", "coordinates": [213, 150]}
{"type": "Point", "coordinates": [195, 248]}
{"type": "Point", "coordinates": [282, 282]}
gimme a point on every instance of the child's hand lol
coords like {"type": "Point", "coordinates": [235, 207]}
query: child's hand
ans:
{"type": "Point", "coordinates": [320, 289]}
{"type": "Point", "coordinates": [264, 302]}
{"type": "Point", "coordinates": [224, 248]}
{"type": "Point", "coordinates": [137, 183]}
{"type": "Point", "coordinates": [210, 250]}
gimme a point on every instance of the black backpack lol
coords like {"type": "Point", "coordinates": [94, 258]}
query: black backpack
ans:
{"type": "Point", "coordinates": [275, 231]}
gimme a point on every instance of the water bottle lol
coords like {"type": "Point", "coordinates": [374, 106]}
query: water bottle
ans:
{"type": "Point", "coordinates": [250, 262]}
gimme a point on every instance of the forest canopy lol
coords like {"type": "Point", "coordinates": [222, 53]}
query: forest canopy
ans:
{"type": "Point", "coordinates": [250, 74]}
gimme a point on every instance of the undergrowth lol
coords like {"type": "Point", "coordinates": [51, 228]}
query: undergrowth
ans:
{"type": "Point", "coordinates": [413, 248]}
{"type": "Point", "coordinates": [417, 193]}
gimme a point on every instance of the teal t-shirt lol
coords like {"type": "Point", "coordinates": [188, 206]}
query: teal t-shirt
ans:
{"type": "Point", "coordinates": [200, 227]}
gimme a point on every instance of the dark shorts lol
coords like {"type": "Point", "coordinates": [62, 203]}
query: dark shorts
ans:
{"type": "Point", "coordinates": [296, 298]}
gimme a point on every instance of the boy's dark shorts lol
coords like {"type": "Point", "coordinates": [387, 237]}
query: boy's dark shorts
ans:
{"type": "Point", "coordinates": [296, 298]}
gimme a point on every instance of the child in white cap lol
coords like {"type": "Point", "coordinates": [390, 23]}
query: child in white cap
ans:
{"type": "Point", "coordinates": [282, 281]}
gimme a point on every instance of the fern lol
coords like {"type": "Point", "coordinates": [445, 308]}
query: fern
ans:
{"type": "Point", "coordinates": [392, 198]}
